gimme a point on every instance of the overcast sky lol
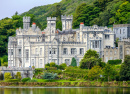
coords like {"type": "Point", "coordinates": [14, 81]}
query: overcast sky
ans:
{"type": "Point", "coordinates": [9, 7]}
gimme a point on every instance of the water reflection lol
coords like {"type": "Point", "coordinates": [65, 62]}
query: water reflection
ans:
{"type": "Point", "coordinates": [64, 90]}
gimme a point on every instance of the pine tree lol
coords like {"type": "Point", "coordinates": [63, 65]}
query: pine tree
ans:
{"type": "Point", "coordinates": [73, 62]}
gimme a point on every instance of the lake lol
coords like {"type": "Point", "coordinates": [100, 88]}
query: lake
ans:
{"type": "Point", "coordinates": [64, 90]}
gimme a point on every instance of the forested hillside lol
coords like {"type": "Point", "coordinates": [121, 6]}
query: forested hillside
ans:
{"type": "Point", "coordinates": [100, 12]}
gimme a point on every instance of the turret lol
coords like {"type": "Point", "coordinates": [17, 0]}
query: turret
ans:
{"type": "Point", "coordinates": [51, 24]}
{"type": "Point", "coordinates": [26, 22]}
{"type": "Point", "coordinates": [66, 22]}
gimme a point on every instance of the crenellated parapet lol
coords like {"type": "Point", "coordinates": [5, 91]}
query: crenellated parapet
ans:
{"type": "Point", "coordinates": [51, 18]}
{"type": "Point", "coordinates": [64, 17]}
{"type": "Point", "coordinates": [26, 19]}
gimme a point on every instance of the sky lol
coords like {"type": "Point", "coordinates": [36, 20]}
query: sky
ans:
{"type": "Point", "coordinates": [9, 7]}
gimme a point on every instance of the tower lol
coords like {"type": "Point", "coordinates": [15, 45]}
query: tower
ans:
{"type": "Point", "coordinates": [66, 22]}
{"type": "Point", "coordinates": [26, 22]}
{"type": "Point", "coordinates": [51, 24]}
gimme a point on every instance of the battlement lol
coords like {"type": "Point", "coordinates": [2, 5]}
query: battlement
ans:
{"type": "Point", "coordinates": [26, 19]}
{"type": "Point", "coordinates": [51, 18]}
{"type": "Point", "coordinates": [63, 17]}
{"type": "Point", "coordinates": [126, 39]}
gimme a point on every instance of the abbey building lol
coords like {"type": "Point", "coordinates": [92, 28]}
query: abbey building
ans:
{"type": "Point", "coordinates": [33, 47]}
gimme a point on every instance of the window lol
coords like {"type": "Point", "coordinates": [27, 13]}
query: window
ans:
{"type": "Point", "coordinates": [106, 59]}
{"type": "Point", "coordinates": [110, 58]}
{"type": "Point", "coordinates": [32, 62]}
{"type": "Point", "coordinates": [81, 51]}
{"type": "Point", "coordinates": [53, 50]}
{"type": "Point", "coordinates": [19, 51]}
{"type": "Point", "coordinates": [40, 63]}
{"type": "Point", "coordinates": [120, 31]}
{"type": "Point", "coordinates": [65, 51]}
{"type": "Point", "coordinates": [73, 51]}
{"type": "Point", "coordinates": [127, 52]}
{"type": "Point", "coordinates": [67, 61]}
{"type": "Point", "coordinates": [84, 35]}
{"type": "Point", "coordinates": [115, 52]}
{"type": "Point", "coordinates": [27, 55]}
{"type": "Point", "coordinates": [95, 44]}
{"type": "Point", "coordinates": [78, 35]}
{"type": "Point", "coordinates": [40, 51]}
{"type": "Point", "coordinates": [108, 46]}
{"type": "Point", "coordinates": [107, 36]}
{"type": "Point", "coordinates": [123, 31]}
{"type": "Point", "coordinates": [110, 52]}
{"type": "Point", "coordinates": [36, 51]}
{"type": "Point", "coordinates": [115, 58]}
{"type": "Point", "coordinates": [20, 42]}
{"type": "Point", "coordinates": [11, 51]}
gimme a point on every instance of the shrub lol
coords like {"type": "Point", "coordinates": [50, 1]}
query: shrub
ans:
{"type": "Point", "coordinates": [62, 66]}
{"type": "Point", "coordinates": [114, 62]}
{"type": "Point", "coordinates": [49, 76]}
{"type": "Point", "coordinates": [52, 64]}
{"type": "Point", "coordinates": [38, 70]}
{"type": "Point", "coordinates": [72, 79]}
{"type": "Point", "coordinates": [18, 75]}
{"type": "Point", "coordinates": [26, 79]}
{"type": "Point", "coordinates": [33, 67]}
{"type": "Point", "coordinates": [7, 76]}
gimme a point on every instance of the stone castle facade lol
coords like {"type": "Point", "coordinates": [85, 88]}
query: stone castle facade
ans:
{"type": "Point", "coordinates": [33, 47]}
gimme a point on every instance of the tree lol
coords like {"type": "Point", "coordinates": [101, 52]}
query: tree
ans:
{"type": "Point", "coordinates": [125, 69]}
{"type": "Point", "coordinates": [0, 62]}
{"type": "Point", "coordinates": [73, 62]}
{"type": "Point", "coordinates": [94, 73]}
{"type": "Point", "coordinates": [109, 72]}
{"type": "Point", "coordinates": [116, 43]}
{"type": "Point", "coordinates": [90, 59]}
{"type": "Point", "coordinates": [18, 75]}
{"type": "Point", "coordinates": [7, 76]}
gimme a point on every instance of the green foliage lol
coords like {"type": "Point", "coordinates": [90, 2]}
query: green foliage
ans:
{"type": "Point", "coordinates": [102, 64]}
{"type": "Point", "coordinates": [38, 70]}
{"type": "Point", "coordinates": [0, 62]}
{"type": "Point", "coordinates": [52, 64]}
{"type": "Point", "coordinates": [110, 72]}
{"type": "Point", "coordinates": [62, 66]}
{"type": "Point", "coordinates": [115, 62]}
{"type": "Point", "coordinates": [73, 62]}
{"type": "Point", "coordinates": [116, 43]}
{"type": "Point", "coordinates": [47, 65]}
{"type": "Point", "coordinates": [49, 76]}
{"type": "Point", "coordinates": [90, 59]}
{"type": "Point", "coordinates": [7, 76]}
{"type": "Point", "coordinates": [18, 75]}
{"type": "Point", "coordinates": [33, 80]}
{"type": "Point", "coordinates": [85, 13]}
{"type": "Point", "coordinates": [26, 79]}
{"type": "Point", "coordinates": [125, 69]}
{"type": "Point", "coordinates": [94, 73]}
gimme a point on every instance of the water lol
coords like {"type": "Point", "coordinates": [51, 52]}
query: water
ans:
{"type": "Point", "coordinates": [63, 90]}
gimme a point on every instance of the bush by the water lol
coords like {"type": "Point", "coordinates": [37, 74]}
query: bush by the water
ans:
{"type": "Point", "coordinates": [7, 76]}
{"type": "Point", "coordinates": [26, 79]}
{"type": "Point", "coordinates": [18, 75]}
{"type": "Point", "coordinates": [114, 62]}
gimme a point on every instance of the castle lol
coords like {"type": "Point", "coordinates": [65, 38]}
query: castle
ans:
{"type": "Point", "coordinates": [33, 47]}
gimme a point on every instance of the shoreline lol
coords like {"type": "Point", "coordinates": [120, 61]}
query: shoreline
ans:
{"type": "Point", "coordinates": [65, 84]}
{"type": "Point", "coordinates": [57, 87]}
